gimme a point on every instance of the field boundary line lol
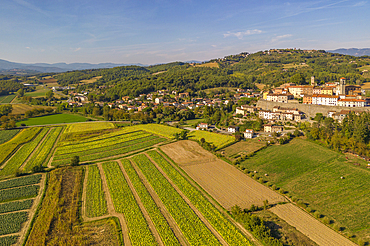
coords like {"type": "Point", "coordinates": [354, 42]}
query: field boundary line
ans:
{"type": "Point", "coordinates": [111, 209]}
{"type": "Point", "coordinates": [171, 221]}
{"type": "Point", "coordinates": [32, 210]}
{"type": "Point", "coordinates": [51, 154]}
{"type": "Point", "coordinates": [210, 199]}
{"type": "Point", "coordinates": [191, 205]}
{"type": "Point", "coordinates": [141, 205]}
{"type": "Point", "coordinates": [34, 150]}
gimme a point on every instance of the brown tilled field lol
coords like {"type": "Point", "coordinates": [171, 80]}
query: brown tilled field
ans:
{"type": "Point", "coordinates": [309, 226]}
{"type": "Point", "coordinates": [228, 185]}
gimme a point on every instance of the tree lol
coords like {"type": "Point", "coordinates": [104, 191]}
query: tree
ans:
{"type": "Point", "coordinates": [49, 94]}
{"type": "Point", "coordinates": [75, 161]}
{"type": "Point", "coordinates": [20, 93]}
{"type": "Point", "coordinates": [298, 79]}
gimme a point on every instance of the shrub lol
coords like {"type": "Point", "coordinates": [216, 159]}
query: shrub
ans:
{"type": "Point", "coordinates": [317, 214]}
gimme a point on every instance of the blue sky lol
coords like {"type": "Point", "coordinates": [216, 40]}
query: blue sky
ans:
{"type": "Point", "coordinates": [160, 31]}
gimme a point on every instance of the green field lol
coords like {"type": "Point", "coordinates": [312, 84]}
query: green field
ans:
{"type": "Point", "coordinates": [39, 92]}
{"type": "Point", "coordinates": [52, 119]}
{"type": "Point", "coordinates": [219, 140]}
{"type": "Point", "coordinates": [7, 98]}
{"type": "Point", "coordinates": [313, 173]}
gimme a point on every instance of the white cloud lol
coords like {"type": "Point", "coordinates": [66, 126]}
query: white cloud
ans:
{"type": "Point", "coordinates": [277, 38]}
{"type": "Point", "coordinates": [240, 35]}
{"type": "Point", "coordinates": [77, 49]}
{"type": "Point", "coordinates": [28, 47]}
{"type": "Point", "coordinates": [359, 4]}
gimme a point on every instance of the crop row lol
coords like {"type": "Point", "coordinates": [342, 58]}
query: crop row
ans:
{"type": "Point", "coordinates": [96, 205]}
{"type": "Point", "coordinates": [12, 223]}
{"type": "Point", "coordinates": [99, 143]}
{"type": "Point", "coordinates": [112, 152]}
{"type": "Point", "coordinates": [9, 240]}
{"type": "Point", "coordinates": [19, 193]}
{"type": "Point", "coordinates": [90, 151]}
{"type": "Point", "coordinates": [27, 180]}
{"type": "Point", "coordinates": [95, 138]}
{"type": "Point", "coordinates": [163, 228]}
{"type": "Point", "coordinates": [189, 223]}
{"type": "Point", "coordinates": [23, 137]}
{"type": "Point", "coordinates": [226, 229]}
{"type": "Point", "coordinates": [15, 206]}
{"type": "Point", "coordinates": [40, 155]}
{"type": "Point", "coordinates": [124, 202]}
{"type": "Point", "coordinates": [21, 156]}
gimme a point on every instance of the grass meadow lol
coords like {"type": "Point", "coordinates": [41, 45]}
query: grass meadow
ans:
{"type": "Point", "coordinates": [52, 119]}
{"type": "Point", "coordinates": [313, 173]}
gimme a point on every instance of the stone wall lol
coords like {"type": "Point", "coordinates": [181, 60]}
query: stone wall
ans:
{"type": "Point", "coordinates": [309, 109]}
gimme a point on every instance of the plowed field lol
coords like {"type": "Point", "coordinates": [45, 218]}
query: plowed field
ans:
{"type": "Point", "coordinates": [225, 183]}
{"type": "Point", "coordinates": [309, 226]}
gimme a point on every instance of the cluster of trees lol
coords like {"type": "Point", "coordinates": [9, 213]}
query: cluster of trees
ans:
{"type": "Point", "coordinates": [7, 86]}
{"type": "Point", "coordinates": [6, 120]}
{"type": "Point", "coordinates": [255, 225]}
{"type": "Point", "coordinates": [352, 135]}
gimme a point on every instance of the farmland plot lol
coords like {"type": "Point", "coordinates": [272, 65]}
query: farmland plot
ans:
{"type": "Point", "coordinates": [15, 213]}
{"type": "Point", "coordinates": [225, 183]}
{"type": "Point", "coordinates": [17, 160]}
{"type": "Point", "coordinates": [309, 226]}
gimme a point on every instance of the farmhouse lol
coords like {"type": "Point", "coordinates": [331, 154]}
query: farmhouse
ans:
{"type": "Point", "coordinates": [248, 133]}
{"type": "Point", "coordinates": [233, 129]}
{"type": "Point", "coordinates": [272, 128]}
{"type": "Point", "coordinates": [202, 126]}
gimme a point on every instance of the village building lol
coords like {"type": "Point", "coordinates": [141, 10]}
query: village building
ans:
{"type": "Point", "coordinates": [248, 133]}
{"type": "Point", "coordinates": [233, 129]}
{"type": "Point", "coordinates": [202, 126]}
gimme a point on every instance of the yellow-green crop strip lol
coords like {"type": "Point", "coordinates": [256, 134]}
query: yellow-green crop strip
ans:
{"type": "Point", "coordinates": [99, 143]}
{"type": "Point", "coordinates": [39, 157]}
{"type": "Point", "coordinates": [163, 228]}
{"type": "Point", "coordinates": [23, 137]}
{"type": "Point", "coordinates": [189, 223]}
{"type": "Point", "coordinates": [226, 229]}
{"type": "Point", "coordinates": [96, 205]}
{"type": "Point", "coordinates": [124, 202]}
{"type": "Point", "coordinates": [21, 156]}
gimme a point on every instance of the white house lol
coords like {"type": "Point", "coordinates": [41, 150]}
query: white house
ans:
{"type": "Point", "coordinates": [248, 133]}
{"type": "Point", "coordinates": [233, 129]}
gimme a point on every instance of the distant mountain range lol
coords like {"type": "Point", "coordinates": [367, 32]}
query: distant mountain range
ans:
{"type": "Point", "coordinates": [352, 51]}
{"type": "Point", "coordinates": [8, 67]}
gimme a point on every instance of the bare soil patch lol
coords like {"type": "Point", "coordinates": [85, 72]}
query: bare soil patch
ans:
{"type": "Point", "coordinates": [309, 226]}
{"type": "Point", "coordinates": [228, 185]}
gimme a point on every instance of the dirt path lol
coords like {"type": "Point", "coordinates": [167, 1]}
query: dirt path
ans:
{"type": "Point", "coordinates": [211, 200]}
{"type": "Point", "coordinates": [31, 212]}
{"type": "Point", "coordinates": [111, 210]}
{"type": "Point", "coordinates": [34, 151]}
{"type": "Point", "coordinates": [197, 212]}
{"type": "Point", "coordinates": [141, 205]}
{"type": "Point", "coordinates": [51, 154]}
{"type": "Point", "coordinates": [171, 221]}
{"type": "Point", "coordinates": [309, 226]}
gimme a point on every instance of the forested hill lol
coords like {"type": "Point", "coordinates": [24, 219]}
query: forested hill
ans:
{"type": "Point", "coordinates": [244, 70]}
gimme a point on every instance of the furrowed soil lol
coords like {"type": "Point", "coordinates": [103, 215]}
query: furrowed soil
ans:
{"type": "Point", "coordinates": [312, 228]}
{"type": "Point", "coordinates": [226, 184]}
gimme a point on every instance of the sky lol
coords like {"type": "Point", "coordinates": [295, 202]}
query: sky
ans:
{"type": "Point", "coordinates": [161, 31]}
